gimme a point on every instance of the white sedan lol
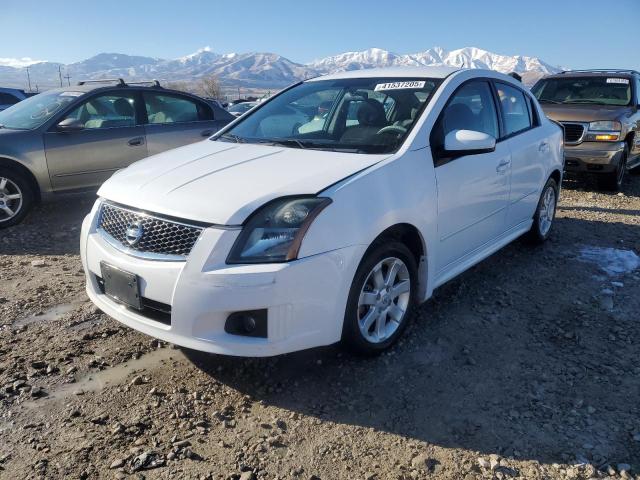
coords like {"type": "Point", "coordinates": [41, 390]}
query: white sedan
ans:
{"type": "Point", "coordinates": [266, 239]}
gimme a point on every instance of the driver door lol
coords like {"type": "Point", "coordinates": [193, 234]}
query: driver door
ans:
{"type": "Point", "coordinates": [106, 137]}
{"type": "Point", "coordinates": [473, 188]}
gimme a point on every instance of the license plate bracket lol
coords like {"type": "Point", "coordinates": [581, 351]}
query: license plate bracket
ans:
{"type": "Point", "coordinates": [121, 286]}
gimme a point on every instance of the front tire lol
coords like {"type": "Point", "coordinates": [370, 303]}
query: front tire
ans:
{"type": "Point", "coordinates": [612, 182]}
{"type": "Point", "coordinates": [16, 197]}
{"type": "Point", "coordinates": [381, 299]}
{"type": "Point", "coordinates": [545, 213]}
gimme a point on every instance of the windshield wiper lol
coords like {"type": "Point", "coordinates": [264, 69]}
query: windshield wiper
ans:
{"type": "Point", "coordinates": [231, 136]}
{"type": "Point", "coordinates": [586, 100]}
{"type": "Point", "coordinates": [285, 142]}
{"type": "Point", "coordinates": [546, 100]}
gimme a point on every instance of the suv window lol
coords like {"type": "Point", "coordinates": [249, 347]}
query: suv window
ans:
{"type": "Point", "coordinates": [108, 110]}
{"type": "Point", "coordinates": [8, 99]}
{"type": "Point", "coordinates": [515, 109]}
{"type": "Point", "coordinates": [162, 108]}
{"type": "Point", "coordinates": [470, 108]}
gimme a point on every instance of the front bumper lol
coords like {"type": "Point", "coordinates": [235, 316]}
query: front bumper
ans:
{"type": "Point", "coordinates": [593, 157]}
{"type": "Point", "coordinates": [305, 299]}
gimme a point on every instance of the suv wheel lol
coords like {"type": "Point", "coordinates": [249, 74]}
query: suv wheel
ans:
{"type": "Point", "coordinates": [545, 213]}
{"type": "Point", "coordinates": [382, 298]}
{"type": "Point", "coordinates": [613, 181]}
{"type": "Point", "coordinates": [16, 197]}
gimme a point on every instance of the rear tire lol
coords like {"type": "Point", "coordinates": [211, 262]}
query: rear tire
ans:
{"type": "Point", "coordinates": [16, 197]}
{"type": "Point", "coordinates": [381, 299]}
{"type": "Point", "coordinates": [545, 213]}
{"type": "Point", "coordinates": [612, 182]}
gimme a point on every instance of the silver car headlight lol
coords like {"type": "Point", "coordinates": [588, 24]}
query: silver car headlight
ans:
{"type": "Point", "coordinates": [275, 231]}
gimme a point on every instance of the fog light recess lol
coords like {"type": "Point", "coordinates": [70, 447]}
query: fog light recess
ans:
{"type": "Point", "coordinates": [251, 323]}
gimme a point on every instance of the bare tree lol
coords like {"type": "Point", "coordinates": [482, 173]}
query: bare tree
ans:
{"type": "Point", "coordinates": [210, 87]}
{"type": "Point", "coordinates": [179, 85]}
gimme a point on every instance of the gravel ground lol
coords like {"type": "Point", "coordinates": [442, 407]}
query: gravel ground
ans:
{"type": "Point", "coordinates": [526, 366]}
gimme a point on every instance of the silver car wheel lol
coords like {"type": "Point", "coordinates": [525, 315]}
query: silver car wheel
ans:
{"type": "Point", "coordinates": [10, 199]}
{"type": "Point", "coordinates": [547, 210]}
{"type": "Point", "coordinates": [384, 300]}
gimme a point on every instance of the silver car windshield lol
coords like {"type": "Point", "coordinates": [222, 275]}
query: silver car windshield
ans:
{"type": "Point", "coordinates": [34, 111]}
{"type": "Point", "coordinates": [360, 115]}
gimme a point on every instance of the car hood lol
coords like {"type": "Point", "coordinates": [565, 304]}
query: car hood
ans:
{"type": "Point", "coordinates": [223, 183]}
{"type": "Point", "coordinates": [583, 113]}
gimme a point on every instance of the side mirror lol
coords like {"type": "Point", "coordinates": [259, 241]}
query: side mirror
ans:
{"type": "Point", "coordinates": [70, 125]}
{"type": "Point", "coordinates": [468, 142]}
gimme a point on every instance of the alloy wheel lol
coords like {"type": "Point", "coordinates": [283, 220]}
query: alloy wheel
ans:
{"type": "Point", "coordinates": [10, 199]}
{"type": "Point", "coordinates": [547, 210]}
{"type": "Point", "coordinates": [384, 300]}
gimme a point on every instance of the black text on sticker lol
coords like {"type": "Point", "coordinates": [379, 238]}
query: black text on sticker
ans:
{"type": "Point", "coordinates": [399, 85]}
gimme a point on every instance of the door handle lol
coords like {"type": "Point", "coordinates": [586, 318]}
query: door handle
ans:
{"type": "Point", "coordinates": [134, 142]}
{"type": "Point", "coordinates": [503, 165]}
{"type": "Point", "coordinates": [207, 133]}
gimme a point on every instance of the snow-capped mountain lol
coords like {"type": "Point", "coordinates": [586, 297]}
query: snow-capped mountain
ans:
{"type": "Point", "coordinates": [469, 57]}
{"type": "Point", "coordinates": [256, 69]}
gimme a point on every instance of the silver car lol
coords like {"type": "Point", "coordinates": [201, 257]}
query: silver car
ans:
{"type": "Point", "coordinates": [74, 138]}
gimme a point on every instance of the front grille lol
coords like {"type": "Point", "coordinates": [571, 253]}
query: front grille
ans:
{"type": "Point", "coordinates": [156, 236]}
{"type": "Point", "coordinates": [573, 132]}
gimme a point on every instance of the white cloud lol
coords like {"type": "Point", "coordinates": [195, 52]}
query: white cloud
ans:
{"type": "Point", "coordinates": [18, 62]}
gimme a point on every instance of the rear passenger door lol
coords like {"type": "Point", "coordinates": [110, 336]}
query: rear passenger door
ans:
{"type": "Point", "coordinates": [528, 149]}
{"type": "Point", "coordinates": [174, 120]}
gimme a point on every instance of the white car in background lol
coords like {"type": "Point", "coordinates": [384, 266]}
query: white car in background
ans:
{"type": "Point", "coordinates": [241, 108]}
{"type": "Point", "coordinates": [258, 244]}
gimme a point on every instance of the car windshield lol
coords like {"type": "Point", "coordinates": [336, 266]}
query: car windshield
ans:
{"type": "Point", "coordinates": [361, 115]}
{"type": "Point", "coordinates": [584, 90]}
{"type": "Point", "coordinates": [34, 111]}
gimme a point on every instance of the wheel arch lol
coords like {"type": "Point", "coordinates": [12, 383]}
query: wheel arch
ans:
{"type": "Point", "coordinates": [557, 176]}
{"type": "Point", "coordinates": [410, 236]}
{"type": "Point", "coordinates": [19, 167]}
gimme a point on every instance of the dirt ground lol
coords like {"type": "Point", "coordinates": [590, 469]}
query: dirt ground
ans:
{"type": "Point", "coordinates": [526, 366]}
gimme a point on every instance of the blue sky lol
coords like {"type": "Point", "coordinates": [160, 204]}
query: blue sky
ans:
{"type": "Point", "coordinates": [572, 33]}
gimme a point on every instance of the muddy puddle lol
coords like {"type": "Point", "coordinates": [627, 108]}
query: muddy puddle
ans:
{"type": "Point", "coordinates": [54, 313]}
{"type": "Point", "coordinates": [116, 375]}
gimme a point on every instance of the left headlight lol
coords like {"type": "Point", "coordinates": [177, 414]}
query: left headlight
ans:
{"type": "Point", "coordinates": [274, 232]}
{"type": "Point", "coordinates": [605, 126]}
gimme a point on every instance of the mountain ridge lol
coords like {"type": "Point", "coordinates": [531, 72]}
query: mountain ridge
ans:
{"type": "Point", "coordinates": [260, 69]}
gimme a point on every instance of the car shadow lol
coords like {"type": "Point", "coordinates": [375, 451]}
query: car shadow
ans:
{"type": "Point", "coordinates": [516, 356]}
{"type": "Point", "coordinates": [51, 228]}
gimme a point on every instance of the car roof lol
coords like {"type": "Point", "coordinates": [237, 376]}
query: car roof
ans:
{"type": "Point", "coordinates": [593, 73]}
{"type": "Point", "coordinates": [94, 87]}
{"type": "Point", "coordinates": [391, 72]}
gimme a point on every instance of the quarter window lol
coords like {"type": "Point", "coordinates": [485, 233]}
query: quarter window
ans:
{"type": "Point", "coordinates": [172, 109]}
{"type": "Point", "coordinates": [515, 110]}
{"type": "Point", "coordinates": [106, 111]}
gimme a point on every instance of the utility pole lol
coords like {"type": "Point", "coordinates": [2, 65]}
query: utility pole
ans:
{"type": "Point", "coordinates": [60, 74]}
{"type": "Point", "coordinates": [68, 77]}
{"type": "Point", "coordinates": [28, 78]}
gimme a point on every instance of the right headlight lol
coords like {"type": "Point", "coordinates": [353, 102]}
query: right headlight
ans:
{"type": "Point", "coordinates": [275, 231]}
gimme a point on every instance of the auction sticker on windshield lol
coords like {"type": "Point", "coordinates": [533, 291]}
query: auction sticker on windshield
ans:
{"type": "Point", "coordinates": [624, 81]}
{"type": "Point", "coordinates": [399, 85]}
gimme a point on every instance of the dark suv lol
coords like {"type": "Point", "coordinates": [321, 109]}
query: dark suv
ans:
{"type": "Point", "coordinates": [74, 138]}
{"type": "Point", "coordinates": [600, 112]}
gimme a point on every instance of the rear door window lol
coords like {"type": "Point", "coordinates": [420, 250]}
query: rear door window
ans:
{"type": "Point", "coordinates": [162, 108]}
{"type": "Point", "coordinates": [515, 109]}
